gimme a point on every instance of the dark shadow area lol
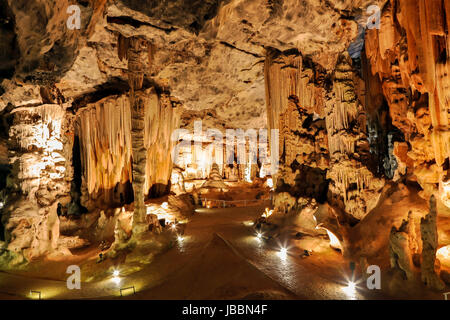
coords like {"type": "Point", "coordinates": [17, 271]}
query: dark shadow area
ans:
{"type": "Point", "coordinates": [158, 190]}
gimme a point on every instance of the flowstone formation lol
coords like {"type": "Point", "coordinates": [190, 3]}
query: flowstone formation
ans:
{"type": "Point", "coordinates": [353, 186]}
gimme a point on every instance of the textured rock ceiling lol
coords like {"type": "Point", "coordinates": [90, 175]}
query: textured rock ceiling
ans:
{"type": "Point", "coordinates": [208, 54]}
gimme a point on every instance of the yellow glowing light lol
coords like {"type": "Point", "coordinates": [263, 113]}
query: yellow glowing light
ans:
{"type": "Point", "coordinates": [116, 280]}
{"type": "Point", "coordinates": [174, 226]}
{"type": "Point", "coordinates": [270, 183]}
{"type": "Point", "coordinates": [165, 205]}
{"type": "Point", "coordinates": [259, 235]}
{"type": "Point", "coordinates": [267, 213]}
{"type": "Point", "coordinates": [35, 294]}
{"type": "Point", "coordinates": [116, 273]}
{"type": "Point", "coordinates": [180, 238]}
{"type": "Point", "coordinates": [443, 254]}
{"type": "Point", "coordinates": [283, 253]}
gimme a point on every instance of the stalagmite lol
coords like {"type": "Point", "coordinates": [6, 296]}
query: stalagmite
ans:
{"type": "Point", "coordinates": [400, 243]}
{"type": "Point", "coordinates": [214, 181]}
{"type": "Point", "coordinates": [429, 233]}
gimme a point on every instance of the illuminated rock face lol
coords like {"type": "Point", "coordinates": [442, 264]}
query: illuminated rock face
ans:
{"type": "Point", "coordinates": [409, 57]}
{"type": "Point", "coordinates": [295, 97]}
{"type": "Point", "coordinates": [40, 154]}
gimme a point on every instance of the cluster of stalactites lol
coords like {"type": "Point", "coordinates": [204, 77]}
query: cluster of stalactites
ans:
{"type": "Point", "coordinates": [41, 148]}
{"type": "Point", "coordinates": [285, 77]}
{"type": "Point", "coordinates": [104, 129]}
{"type": "Point", "coordinates": [410, 52]}
{"type": "Point", "coordinates": [352, 184]}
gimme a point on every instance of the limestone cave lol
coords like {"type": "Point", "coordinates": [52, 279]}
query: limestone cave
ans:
{"type": "Point", "coordinates": [225, 149]}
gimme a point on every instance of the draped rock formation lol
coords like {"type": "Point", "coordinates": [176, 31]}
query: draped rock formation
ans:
{"type": "Point", "coordinates": [409, 57]}
{"type": "Point", "coordinates": [104, 128]}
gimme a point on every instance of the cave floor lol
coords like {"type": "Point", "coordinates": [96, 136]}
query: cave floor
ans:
{"type": "Point", "coordinates": [219, 258]}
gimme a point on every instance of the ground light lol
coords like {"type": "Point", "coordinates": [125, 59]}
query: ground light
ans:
{"type": "Point", "coordinates": [283, 253]}
{"type": "Point", "coordinates": [259, 236]}
{"type": "Point", "coordinates": [116, 278]}
{"type": "Point", "coordinates": [180, 238]}
{"type": "Point", "coordinates": [174, 226]}
{"type": "Point", "coordinates": [350, 290]}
